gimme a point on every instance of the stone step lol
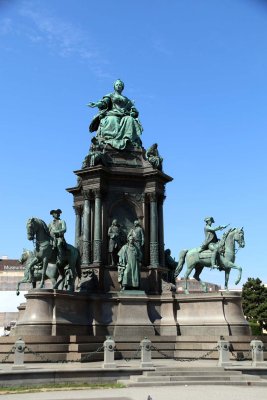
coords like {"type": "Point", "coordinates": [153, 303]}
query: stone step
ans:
{"type": "Point", "coordinates": [190, 373]}
{"type": "Point", "coordinates": [130, 383]}
{"type": "Point", "coordinates": [180, 378]}
{"type": "Point", "coordinates": [188, 368]}
{"type": "Point", "coordinates": [199, 377]}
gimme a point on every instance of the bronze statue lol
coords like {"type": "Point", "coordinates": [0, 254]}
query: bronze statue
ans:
{"type": "Point", "coordinates": [117, 122]}
{"type": "Point", "coordinates": [57, 229]}
{"type": "Point", "coordinates": [171, 264]}
{"type": "Point", "coordinates": [115, 235]}
{"type": "Point", "coordinates": [153, 157]}
{"type": "Point", "coordinates": [129, 265]}
{"type": "Point", "coordinates": [95, 156]}
{"type": "Point", "coordinates": [211, 240]}
{"type": "Point", "coordinates": [88, 282]}
{"type": "Point", "coordinates": [198, 259]}
{"type": "Point", "coordinates": [45, 253]}
{"type": "Point", "coordinates": [138, 234]}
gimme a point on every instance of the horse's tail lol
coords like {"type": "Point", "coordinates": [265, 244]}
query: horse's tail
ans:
{"type": "Point", "coordinates": [181, 262]}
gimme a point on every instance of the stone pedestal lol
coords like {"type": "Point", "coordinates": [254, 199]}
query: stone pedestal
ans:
{"type": "Point", "coordinates": [132, 318]}
{"type": "Point", "coordinates": [131, 313]}
{"type": "Point", "coordinates": [211, 314]}
{"type": "Point", "coordinates": [55, 312]}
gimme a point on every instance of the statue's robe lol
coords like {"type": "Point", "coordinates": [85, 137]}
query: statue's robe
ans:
{"type": "Point", "coordinates": [129, 258]}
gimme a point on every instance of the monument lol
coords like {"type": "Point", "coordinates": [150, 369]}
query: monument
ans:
{"type": "Point", "coordinates": [127, 277]}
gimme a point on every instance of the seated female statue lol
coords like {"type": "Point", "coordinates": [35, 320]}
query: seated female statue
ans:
{"type": "Point", "coordinates": [117, 121]}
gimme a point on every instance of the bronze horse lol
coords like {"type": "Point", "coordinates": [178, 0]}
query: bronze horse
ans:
{"type": "Point", "coordinates": [26, 259]}
{"type": "Point", "coordinates": [226, 258]}
{"type": "Point", "coordinates": [44, 253]}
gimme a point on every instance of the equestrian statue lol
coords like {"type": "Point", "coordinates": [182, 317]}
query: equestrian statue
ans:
{"type": "Point", "coordinates": [51, 248]}
{"type": "Point", "coordinates": [214, 253]}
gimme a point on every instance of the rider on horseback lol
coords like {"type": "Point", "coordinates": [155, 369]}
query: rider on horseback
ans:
{"type": "Point", "coordinates": [211, 239]}
{"type": "Point", "coordinates": [57, 228]}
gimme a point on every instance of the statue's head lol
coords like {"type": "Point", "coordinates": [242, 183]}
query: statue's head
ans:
{"type": "Point", "coordinates": [168, 252]}
{"type": "Point", "coordinates": [136, 222]}
{"type": "Point", "coordinates": [118, 85]}
{"type": "Point", "coordinates": [115, 222]}
{"type": "Point", "coordinates": [56, 213]}
{"type": "Point", "coordinates": [131, 239]}
{"type": "Point", "coordinates": [209, 220]}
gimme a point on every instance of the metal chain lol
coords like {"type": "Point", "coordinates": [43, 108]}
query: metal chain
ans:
{"type": "Point", "coordinates": [246, 356]}
{"type": "Point", "coordinates": [43, 358]}
{"type": "Point", "coordinates": [127, 359]}
{"type": "Point", "coordinates": [82, 359]}
{"type": "Point", "coordinates": [8, 354]}
{"type": "Point", "coordinates": [90, 355]}
{"type": "Point", "coordinates": [184, 359]}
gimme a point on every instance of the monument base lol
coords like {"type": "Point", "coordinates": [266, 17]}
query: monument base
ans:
{"type": "Point", "coordinates": [131, 313]}
{"type": "Point", "coordinates": [68, 326]}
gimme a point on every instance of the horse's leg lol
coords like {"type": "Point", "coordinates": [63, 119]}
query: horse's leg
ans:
{"type": "Point", "coordinates": [227, 274]}
{"type": "Point", "coordinates": [23, 280]}
{"type": "Point", "coordinates": [186, 276]}
{"type": "Point", "coordinates": [230, 265]}
{"type": "Point", "coordinates": [198, 270]}
{"type": "Point", "coordinates": [45, 263]}
{"type": "Point", "coordinates": [181, 262]}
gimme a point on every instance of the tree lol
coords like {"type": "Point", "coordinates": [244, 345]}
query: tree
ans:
{"type": "Point", "coordinates": [254, 301]}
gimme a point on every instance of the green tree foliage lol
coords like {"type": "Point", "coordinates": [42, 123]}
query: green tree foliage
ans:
{"type": "Point", "coordinates": [254, 301]}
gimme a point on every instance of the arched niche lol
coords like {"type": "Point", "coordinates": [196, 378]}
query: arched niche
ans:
{"type": "Point", "coordinates": [126, 212]}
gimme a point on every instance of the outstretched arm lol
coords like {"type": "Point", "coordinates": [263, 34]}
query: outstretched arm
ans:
{"type": "Point", "coordinates": [101, 104]}
{"type": "Point", "coordinates": [96, 104]}
{"type": "Point", "coordinates": [218, 228]}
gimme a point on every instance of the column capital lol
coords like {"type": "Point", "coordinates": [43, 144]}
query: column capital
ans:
{"type": "Point", "coordinates": [87, 194]}
{"type": "Point", "coordinates": [78, 209]}
{"type": "Point", "coordinates": [153, 196]}
{"type": "Point", "coordinates": [97, 193]}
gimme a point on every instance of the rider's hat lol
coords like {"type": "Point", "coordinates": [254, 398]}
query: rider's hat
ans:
{"type": "Point", "coordinates": [58, 211]}
{"type": "Point", "coordinates": [209, 219]}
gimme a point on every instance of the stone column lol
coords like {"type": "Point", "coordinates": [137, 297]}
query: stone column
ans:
{"type": "Point", "coordinates": [161, 231]}
{"type": "Point", "coordinates": [78, 225]}
{"type": "Point", "coordinates": [98, 228]}
{"type": "Point", "coordinates": [86, 228]}
{"type": "Point", "coordinates": [154, 245]}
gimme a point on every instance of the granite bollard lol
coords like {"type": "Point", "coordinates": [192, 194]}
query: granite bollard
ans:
{"type": "Point", "coordinates": [146, 353]}
{"type": "Point", "coordinates": [109, 351]}
{"type": "Point", "coordinates": [223, 349]}
{"type": "Point", "coordinates": [257, 354]}
{"type": "Point", "coordinates": [19, 353]}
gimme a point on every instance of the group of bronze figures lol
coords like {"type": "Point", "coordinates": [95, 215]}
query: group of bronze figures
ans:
{"type": "Point", "coordinates": [117, 126]}
{"type": "Point", "coordinates": [126, 256]}
{"type": "Point", "coordinates": [60, 262]}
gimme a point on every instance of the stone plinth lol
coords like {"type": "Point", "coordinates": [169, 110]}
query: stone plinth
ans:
{"type": "Point", "coordinates": [132, 314]}
{"type": "Point", "coordinates": [55, 312]}
{"type": "Point", "coordinates": [133, 319]}
{"type": "Point", "coordinates": [211, 314]}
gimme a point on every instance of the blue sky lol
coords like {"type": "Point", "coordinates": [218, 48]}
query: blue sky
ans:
{"type": "Point", "coordinates": [197, 73]}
